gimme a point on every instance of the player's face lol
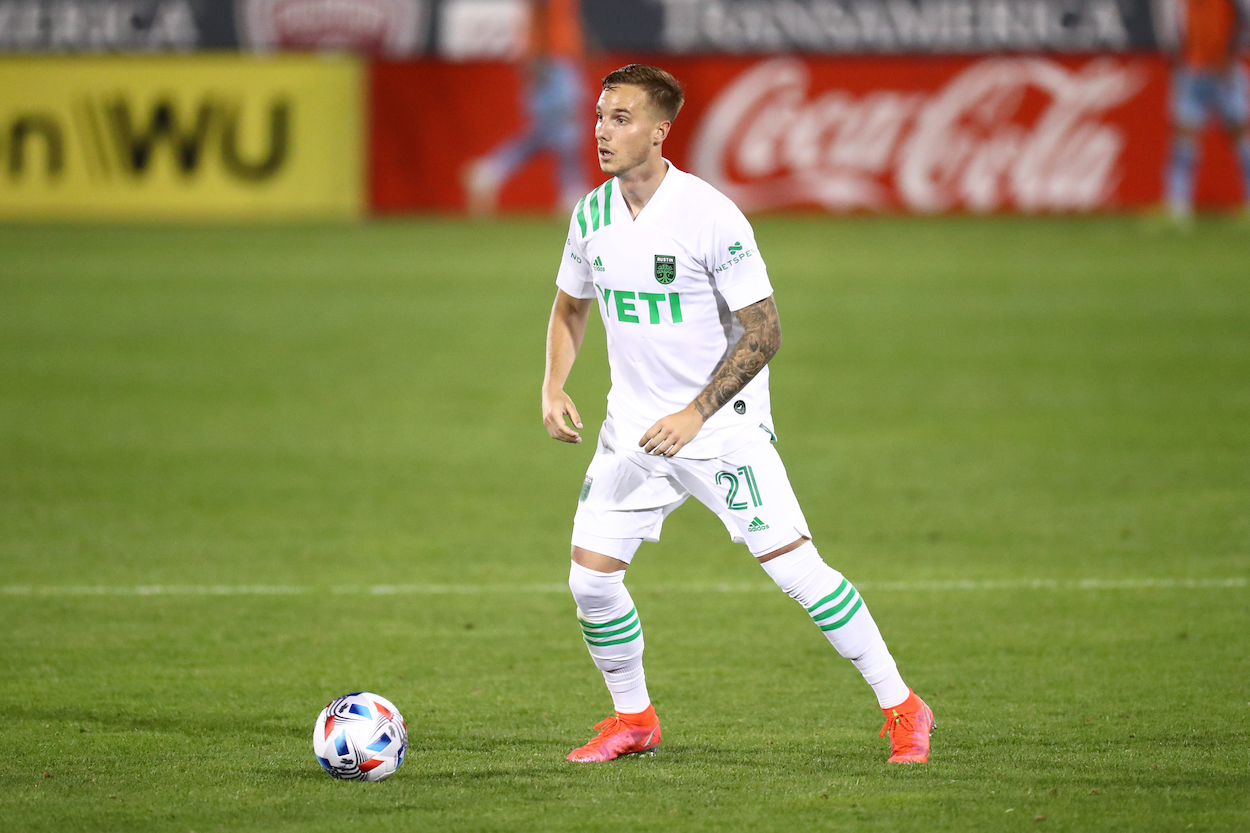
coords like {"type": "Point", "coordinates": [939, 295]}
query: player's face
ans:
{"type": "Point", "coordinates": [628, 133]}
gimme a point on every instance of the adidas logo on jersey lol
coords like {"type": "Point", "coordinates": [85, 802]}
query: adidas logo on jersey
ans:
{"type": "Point", "coordinates": [598, 264]}
{"type": "Point", "coordinates": [757, 525]}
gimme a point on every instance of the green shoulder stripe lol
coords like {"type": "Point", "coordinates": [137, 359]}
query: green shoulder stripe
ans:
{"type": "Point", "coordinates": [594, 211]}
{"type": "Point", "coordinates": [594, 208]}
{"type": "Point", "coordinates": [581, 215]}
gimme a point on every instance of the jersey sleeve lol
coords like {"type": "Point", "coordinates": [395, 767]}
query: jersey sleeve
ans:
{"type": "Point", "coordinates": [575, 276]}
{"type": "Point", "coordinates": [734, 260]}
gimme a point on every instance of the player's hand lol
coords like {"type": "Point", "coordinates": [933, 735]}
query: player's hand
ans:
{"type": "Point", "coordinates": [556, 406]}
{"type": "Point", "coordinates": [671, 433]}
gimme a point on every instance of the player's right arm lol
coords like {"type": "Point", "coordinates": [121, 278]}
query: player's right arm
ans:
{"type": "Point", "coordinates": [565, 331]}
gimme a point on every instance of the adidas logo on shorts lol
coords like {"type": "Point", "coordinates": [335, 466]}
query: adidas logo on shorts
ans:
{"type": "Point", "coordinates": [757, 525]}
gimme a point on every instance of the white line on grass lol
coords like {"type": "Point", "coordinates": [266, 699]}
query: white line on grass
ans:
{"type": "Point", "coordinates": [536, 589]}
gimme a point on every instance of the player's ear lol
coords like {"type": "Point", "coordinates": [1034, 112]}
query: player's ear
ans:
{"type": "Point", "coordinates": [660, 132]}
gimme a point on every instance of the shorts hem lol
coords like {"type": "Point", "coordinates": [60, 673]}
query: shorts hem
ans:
{"type": "Point", "coordinates": [622, 549]}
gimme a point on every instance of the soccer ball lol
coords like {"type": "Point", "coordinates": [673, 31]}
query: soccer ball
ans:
{"type": "Point", "coordinates": [360, 737]}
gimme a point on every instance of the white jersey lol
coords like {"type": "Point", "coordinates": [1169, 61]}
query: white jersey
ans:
{"type": "Point", "coordinates": [667, 285]}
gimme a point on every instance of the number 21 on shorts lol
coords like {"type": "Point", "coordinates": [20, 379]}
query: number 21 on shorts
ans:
{"type": "Point", "coordinates": [731, 499]}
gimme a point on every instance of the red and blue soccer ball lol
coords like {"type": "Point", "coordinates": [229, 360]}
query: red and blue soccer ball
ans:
{"type": "Point", "coordinates": [360, 737]}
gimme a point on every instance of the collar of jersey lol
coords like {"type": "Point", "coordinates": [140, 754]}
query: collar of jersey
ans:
{"type": "Point", "coordinates": [666, 185]}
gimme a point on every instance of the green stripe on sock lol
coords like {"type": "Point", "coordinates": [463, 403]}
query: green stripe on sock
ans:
{"type": "Point", "coordinates": [603, 635]}
{"type": "Point", "coordinates": [632, 612]}
{"type": "Point", "coordinates": [602, 643]}
{"type": "Point", "coordinates": [825, 614]}
{"type": "Point", "coordinates": [830, 597]}
{"type": "Point", "coordinates": [844, 619]}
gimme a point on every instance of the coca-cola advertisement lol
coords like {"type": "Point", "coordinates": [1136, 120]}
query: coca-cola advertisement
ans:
{"type": "Point", "coordinates": [1029, 134]}
{"type": "Point", "coordinates": [909, 134]}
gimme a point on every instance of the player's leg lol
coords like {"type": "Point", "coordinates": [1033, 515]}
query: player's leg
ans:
{"type": "Point", "coordinates": [838, 609]}
{"type": "Point", "coordinates": [484, 178]}
{"type": "Point", "coordinates": [1235, 109]}
{"type": "Point", "coordinates": [1188, 111]}
{"type": "Point", "coordinates": [612, 631]}
{"type": "Point", "coordinates": [609, 618]}
{"type": "Point", "coordinates": [1241, 140]}
{"type": "Point", "coordinates": [623, 502]}
{"type": "Point", "coordinates": [750, 491]}
{"type": "Point", "coordinates": [563, 116]}
{"type": "Point", "coordinates": [840, 613]}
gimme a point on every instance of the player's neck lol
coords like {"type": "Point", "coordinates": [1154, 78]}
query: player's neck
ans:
{"type": "Point", "coordinates": [639, 185]}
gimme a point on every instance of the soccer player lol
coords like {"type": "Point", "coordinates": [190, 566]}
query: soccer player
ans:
{"type": "Point", "coordinates": [1207, 79]}
{"type": "Point", "coordinates": [691, 325]}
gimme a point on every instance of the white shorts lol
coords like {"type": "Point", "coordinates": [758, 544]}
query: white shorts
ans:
{"type": "Point", "coordinates": [627, 495]}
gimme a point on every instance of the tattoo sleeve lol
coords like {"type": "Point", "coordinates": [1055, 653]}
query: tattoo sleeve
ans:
{"type": "Point", "coordinates": [759, 343]}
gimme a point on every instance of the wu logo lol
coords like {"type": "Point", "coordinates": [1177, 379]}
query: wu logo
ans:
{"type": "Point", "coordinates": [735, 248]}
{"type": "Point", "coordinates": [124, 137]}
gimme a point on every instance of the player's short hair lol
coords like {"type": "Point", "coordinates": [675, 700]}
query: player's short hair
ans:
{"type": "Point", "coordinates": [664, 94]}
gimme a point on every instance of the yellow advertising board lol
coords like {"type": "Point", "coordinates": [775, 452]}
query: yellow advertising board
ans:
{"type": "Point", "coordinates": [203, 137]}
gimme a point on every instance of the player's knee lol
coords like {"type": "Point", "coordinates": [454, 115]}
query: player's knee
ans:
{"type": "Point", "coordinates": [593, 590]}
{"type": "Point", "coordinates": [800, 572]}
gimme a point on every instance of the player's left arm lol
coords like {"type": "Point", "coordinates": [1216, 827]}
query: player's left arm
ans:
{"type": "Point", "coordinates": [760, 341]}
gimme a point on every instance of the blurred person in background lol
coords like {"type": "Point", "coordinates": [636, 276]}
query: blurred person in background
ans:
{"type": "Point", "coordinates": [554, 100]}
{"type": "Point", "coordinates": [1207, 78]}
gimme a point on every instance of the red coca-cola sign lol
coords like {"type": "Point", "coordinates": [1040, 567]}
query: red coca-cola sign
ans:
{"type": "Point", "coordinates": [1025, 133]}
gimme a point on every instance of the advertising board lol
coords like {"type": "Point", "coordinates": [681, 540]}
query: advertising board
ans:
{"type": "Point", "coordinates": [181, 138]}
{"type": "Point", "coordinates": [115, 25]}
{"type": "Point", "coordinates": [480, 29]}
{"type": "Point", "coordinates": [868, 134]}
{"type": "Point", "coordinates": [872, 26]}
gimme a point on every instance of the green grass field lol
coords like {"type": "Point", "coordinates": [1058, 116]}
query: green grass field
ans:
{"type": "Point", "coordinates": [243, 471]}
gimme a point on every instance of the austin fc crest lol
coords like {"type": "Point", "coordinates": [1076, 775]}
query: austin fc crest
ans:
{"type": "Point", "coordinates": [665, 269]}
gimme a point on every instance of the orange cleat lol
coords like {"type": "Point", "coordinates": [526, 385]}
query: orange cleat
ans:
{"type": "Point", "coordinates": [621, 734]}
{"type": "Point", "coordinates": [909, 724]}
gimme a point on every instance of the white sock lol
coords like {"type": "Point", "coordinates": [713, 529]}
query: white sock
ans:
{"type": "Point", "coordinates": [839, 611]}
{"type": "Point", "coordinates": [613, 634]}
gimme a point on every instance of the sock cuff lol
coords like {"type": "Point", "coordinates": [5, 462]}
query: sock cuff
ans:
{"type": "Point", "coordinates": [904, 702]}
{"type": "Point", "coordinates": [790, 569]}
{"type": "Point", "coordinates": [615, 576]}
{"type": "Point", "coordinates": [646, 717]}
